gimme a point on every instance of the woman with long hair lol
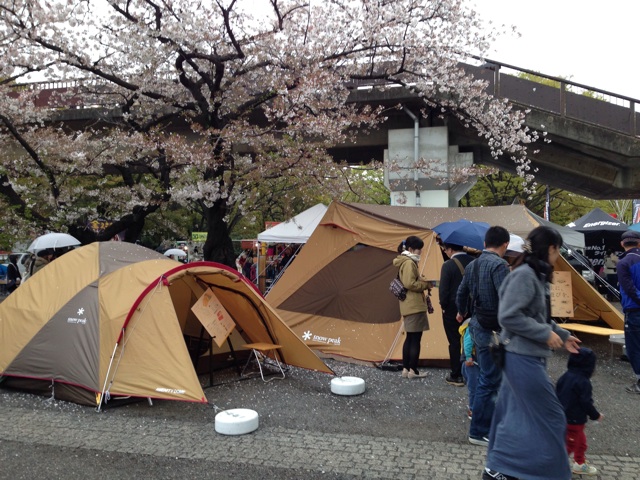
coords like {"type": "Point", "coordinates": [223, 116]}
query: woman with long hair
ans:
{"type": "Point", "coordinates": [528, 414]}
{"type": "Point", "coordinates": [413, 308]}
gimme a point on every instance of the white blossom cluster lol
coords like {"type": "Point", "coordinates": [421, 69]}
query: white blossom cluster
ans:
{"type": "Point", "coordinates": [253, 91]}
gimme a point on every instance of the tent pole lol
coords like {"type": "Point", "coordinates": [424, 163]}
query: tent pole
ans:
{"type": "Point", "coordinates": [210, 362]}
{"type": "Point", "coordinates": [424, 264]}
{"type": "Point", "coordinates": [106, 377]}
{"type": "Point", "coordinates": [393, 345]}
{"type": "Point", "coordinates": [283, 269]}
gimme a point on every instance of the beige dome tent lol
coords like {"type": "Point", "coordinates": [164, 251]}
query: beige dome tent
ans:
{"type": "Point", "coordinates": [110, 319]}
{"type": "Point", "coordinates": [336, 297]}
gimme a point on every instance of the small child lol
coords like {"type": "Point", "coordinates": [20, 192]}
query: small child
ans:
{"type": "Point", "coordinates": [470, 370]}
{"type": "Point", "coordinates": [575, 394]}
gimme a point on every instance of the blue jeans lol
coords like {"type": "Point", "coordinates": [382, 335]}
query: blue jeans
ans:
{"type": "Point", "coordinates": [632, 340]}
{"type": "Point", "coordinates": [470, 375]}
{"type": "Point", "coordinates": [488, 382]}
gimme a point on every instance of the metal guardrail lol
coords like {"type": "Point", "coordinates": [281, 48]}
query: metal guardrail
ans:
{"type": "Point", "coordinates": [598, 107]}
{"type": "Point", "coordinates": [569, 99]}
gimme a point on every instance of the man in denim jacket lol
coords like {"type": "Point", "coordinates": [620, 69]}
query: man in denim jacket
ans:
{"type": "Point", "coordinates": [483, 285]}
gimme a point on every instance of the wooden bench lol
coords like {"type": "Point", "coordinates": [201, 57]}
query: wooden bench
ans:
{"type": "Point", "coordinates": [615, 336]}
{"type": "Point", "coordinates": [592, 329]}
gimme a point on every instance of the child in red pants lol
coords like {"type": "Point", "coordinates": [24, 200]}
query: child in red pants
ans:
{"type": "Point", "coordinates": [575, 393]}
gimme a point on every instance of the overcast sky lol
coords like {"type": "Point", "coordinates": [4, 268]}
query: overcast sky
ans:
{"type": "Point", "coordinates": [587, 41]}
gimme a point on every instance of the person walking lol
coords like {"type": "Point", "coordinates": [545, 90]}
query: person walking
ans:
{"type": "Point", "coordinates": [42, 259]}
{"type": "Point", "coordinates": [527, 406]}
{"type": "Point", "coordinates": [576, 396]}
{"type": "Point", "coordinates": [481, 282]}
{"type": "Point", "coordinates": [248, 267]}
{"type": "Point", "coordinates": [628, 270]}
{"type": "Point", "coordinates": [413, 308]}
{"type": "Point", "coordinates": [450, 278]}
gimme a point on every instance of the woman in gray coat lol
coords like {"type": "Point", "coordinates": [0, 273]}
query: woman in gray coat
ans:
{"type": "Point", "coordinates": [413, 308]}
{"type": "Point", "coordinates": [528, 414]}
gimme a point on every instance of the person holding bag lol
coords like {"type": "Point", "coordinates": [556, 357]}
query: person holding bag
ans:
{"type": "Point", "coordinates": [413, 308]}
{"type": "Point", "coordinates": [527, 404]}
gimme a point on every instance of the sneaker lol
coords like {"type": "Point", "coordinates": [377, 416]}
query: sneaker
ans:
{"type": "Point", "coordinates": [457, 381]}
{"type": "Point", "coordinates": [584, 469]}
{"type": "Point", "coordinates": [489, 474]}
{"type": "Point", "coordinates": [469, 413]}
{"type": "Point", "coordinates": [481, 442]}
{"type": "Point", "coordinates": [413, 374]}
{"type": "Point", "coordinates": [634, 388]}
{"type": "Point", "coordinates": [405, 373]}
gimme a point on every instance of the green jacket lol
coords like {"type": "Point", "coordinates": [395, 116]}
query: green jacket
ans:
{"type": "Point", "coordinates": [408, 273]}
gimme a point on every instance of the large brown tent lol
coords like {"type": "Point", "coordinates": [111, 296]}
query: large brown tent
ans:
{"type": "Point", "coordinates": [335, 294]}
{"type": "Point", "coordinates": [112, 318]}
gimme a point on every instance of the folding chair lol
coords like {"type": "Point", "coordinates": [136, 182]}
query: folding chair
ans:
{"type": "Point", "coordinates": [259, 353]}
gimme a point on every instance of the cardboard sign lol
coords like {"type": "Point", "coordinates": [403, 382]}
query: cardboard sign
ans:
{"type": "Point", "coordinates": [213, 316]}
{"type": "Point", "coordinates": [561, 296]}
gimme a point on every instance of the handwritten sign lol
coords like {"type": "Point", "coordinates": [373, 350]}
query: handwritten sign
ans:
{"type": "Point", "coordinates": [561, 296]}
{"type": "Point", "coordinates": [213, 316]}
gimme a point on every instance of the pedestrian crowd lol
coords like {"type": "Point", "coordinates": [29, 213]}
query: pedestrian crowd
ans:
{"type": "Point", "coordinates": [34, 263]}
{"type": "Point", "coordinates": [497, 318]}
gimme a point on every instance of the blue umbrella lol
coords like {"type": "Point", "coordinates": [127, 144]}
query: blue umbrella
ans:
{"type": "Point", "coordinates": [463, 232]}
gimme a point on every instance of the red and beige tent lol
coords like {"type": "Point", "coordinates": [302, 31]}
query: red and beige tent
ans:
{"type": "Point", "coordinates": [336, 297]}
{"type": "Point", "coordinates": [110, 319]}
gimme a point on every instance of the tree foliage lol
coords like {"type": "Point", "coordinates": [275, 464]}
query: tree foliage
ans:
{"type": "Point", "coordinates": [502, 188]}
{"type": "Point", "coordinates": [556, 84]}
{"type": "Point", "coordinates": [258, 91]}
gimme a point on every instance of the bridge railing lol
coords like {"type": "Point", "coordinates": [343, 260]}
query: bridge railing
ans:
{"type": "Point", "coordinates": [568, 99]}
{"type": "Point", "coordinates": [81, 93]}
{"type": "Point", "coordinates": [562, 97]}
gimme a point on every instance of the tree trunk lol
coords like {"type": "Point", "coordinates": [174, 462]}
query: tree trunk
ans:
{"type": "Point", "coordinates": [218, 247]}
{"type": "Point", "coordinates": [132, 224]}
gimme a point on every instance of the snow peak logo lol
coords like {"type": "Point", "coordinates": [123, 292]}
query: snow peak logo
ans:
{"type": "Point", "coordinates": [306, 336]}
{"type": "Point", "coordinates": [78, 321]}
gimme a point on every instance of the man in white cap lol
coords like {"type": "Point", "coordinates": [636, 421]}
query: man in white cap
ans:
{"type": "Point", "coordinates": [629, 280]}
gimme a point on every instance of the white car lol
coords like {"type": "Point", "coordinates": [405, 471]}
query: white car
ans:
{"type": "Point", "coordinates": [22, 261]}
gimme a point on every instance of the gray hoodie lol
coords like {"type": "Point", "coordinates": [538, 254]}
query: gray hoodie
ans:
{"type": "Point", "coordinates": [522, 313]}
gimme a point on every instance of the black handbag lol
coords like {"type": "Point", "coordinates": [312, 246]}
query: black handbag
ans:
{"type": "Point", "coordinates": [397, 288]}
{"type": "Point", "coordinates": [497, 351]}
{"type": "Point", "coordinates": [427, 299]}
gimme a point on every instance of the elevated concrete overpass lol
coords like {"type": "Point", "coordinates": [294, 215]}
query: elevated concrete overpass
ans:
{"type": "Point", "coordinates": [595, 138]}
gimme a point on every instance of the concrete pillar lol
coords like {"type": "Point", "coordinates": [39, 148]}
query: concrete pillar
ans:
{"type": "Point", "coordinates": [430, 176]}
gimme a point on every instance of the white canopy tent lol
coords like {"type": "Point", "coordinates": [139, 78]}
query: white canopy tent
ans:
{"type": "Point", "coordinates": [297, 229]}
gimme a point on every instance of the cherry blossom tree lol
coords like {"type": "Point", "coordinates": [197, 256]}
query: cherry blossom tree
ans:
{"type": "Point", "coordinates": [256, 90]}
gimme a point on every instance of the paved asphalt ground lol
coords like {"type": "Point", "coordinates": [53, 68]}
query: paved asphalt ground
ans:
{"type": "Point", "coordinates": [397, 429]}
